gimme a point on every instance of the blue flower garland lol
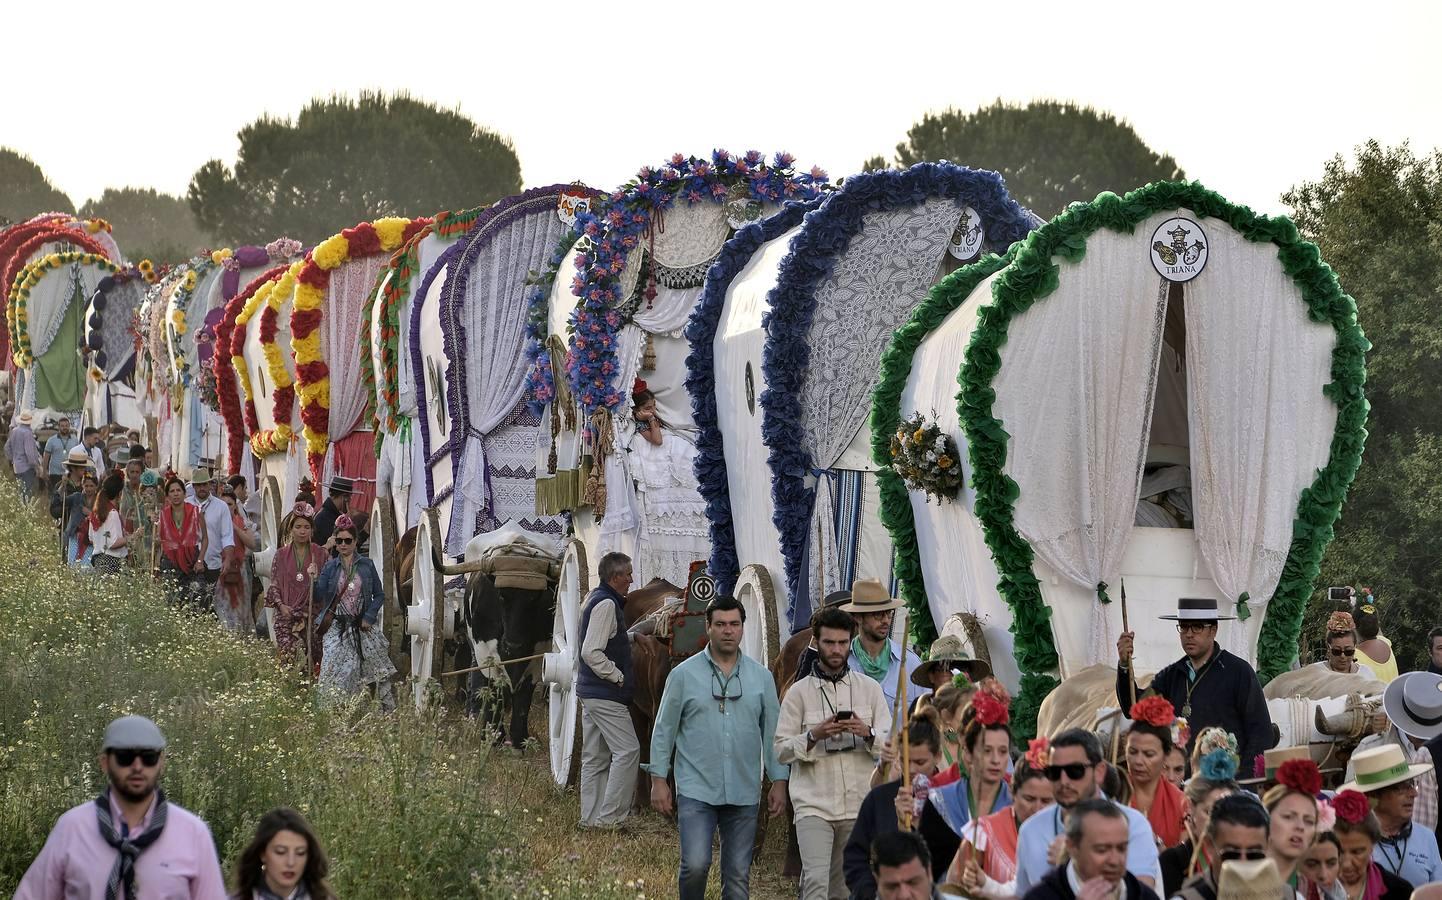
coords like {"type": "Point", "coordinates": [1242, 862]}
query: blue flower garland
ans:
{"type": "Point", "coordinates": [700, 332]}
{"type": "Point", "coordinates": [618, 229]}
{"type": "Point", "coordinates": [786, 358]}
{"type": "Point", "coordinates": [540, 380]}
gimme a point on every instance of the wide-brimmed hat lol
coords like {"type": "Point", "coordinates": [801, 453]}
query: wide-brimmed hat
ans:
{"type": "Point", "coordinates": [1196, 609]}
{"type": "Point", "coordinates": [1382, 766]}
{"type": "Point", "coordinates": [1249, 879]}
{"type": "Point", "coordinates": [201, 475]}
{"type": "Point", "coordinates": [949, 652]}
{"type": "Point", "coordinates": [1272, 761]}
{"type": "Point", "coordinates": [341, 485]}
{"type": "Point", "coordinates": [868, 596]}
{"type": "Point", "coordinates": [1414, 704]}
{"type": "Point", "coordinates": [25, 418]}
{"type": "Point", "coordinates": [77, 457]}
{"type": "Point", "coordinates": [121, 457]}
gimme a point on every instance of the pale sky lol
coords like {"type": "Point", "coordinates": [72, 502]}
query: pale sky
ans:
{"type": "Point", "coordinates": [1250, 97]}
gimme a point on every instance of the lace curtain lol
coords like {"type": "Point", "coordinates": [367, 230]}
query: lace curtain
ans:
{"type": "Point", "coordinates": [340, 346]}
{"type": "Point", "coordinates": [1260, 424]}
{"type": "Point", "coordinates": [494, 306]}
{"type": "Point", "coordinates": [1074, 393]}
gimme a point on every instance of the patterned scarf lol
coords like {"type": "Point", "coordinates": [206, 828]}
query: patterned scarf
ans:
{"type": "Point", "coordinates": [180, 544]}
{"type": "Point", "coordinates": [121, 885]}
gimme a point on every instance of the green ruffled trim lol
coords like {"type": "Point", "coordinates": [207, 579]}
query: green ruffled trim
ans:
{"type": "Point", "coordinates": [1033, 276]}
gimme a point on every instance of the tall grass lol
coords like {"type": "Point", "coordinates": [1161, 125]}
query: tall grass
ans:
{"type": "Point", "coordinates": [403, 801]}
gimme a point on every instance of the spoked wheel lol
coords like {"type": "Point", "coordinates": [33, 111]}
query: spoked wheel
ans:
{"type": "Point", "coordinates": [423, 619]}
{"type": "Point", "coordinates": [384, 541]}
{"type": "Point", "coordinates": [559, 667]}
{"type": "Point", "coordinates": [761, 638]}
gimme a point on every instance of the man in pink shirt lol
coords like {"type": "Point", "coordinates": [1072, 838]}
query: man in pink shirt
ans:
{"type": "Point", "coordinates": [128, 843]}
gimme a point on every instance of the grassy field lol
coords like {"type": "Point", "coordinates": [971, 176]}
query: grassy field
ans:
{"type": "Point", "coordinates": [407, 804]}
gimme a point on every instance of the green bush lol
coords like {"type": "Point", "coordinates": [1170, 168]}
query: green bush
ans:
{"type": "Point", "coordinates": [400, 800]}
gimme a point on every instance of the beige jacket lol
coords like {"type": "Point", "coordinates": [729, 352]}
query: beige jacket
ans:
{"type": "Point", "coordinates": [828, 780]}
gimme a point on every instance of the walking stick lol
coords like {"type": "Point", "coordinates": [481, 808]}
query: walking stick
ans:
{"type": "Point", "coordinates": [905, 743]}
{"type": "Point", "coordinates": [1131, 667]}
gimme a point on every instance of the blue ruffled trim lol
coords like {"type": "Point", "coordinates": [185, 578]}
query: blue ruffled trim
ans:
{"type": "Point", "coordinates": [701, 382]}
{"type": "Point", "coordinates": [786, 358]}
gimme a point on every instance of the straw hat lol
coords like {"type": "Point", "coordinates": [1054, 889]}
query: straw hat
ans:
{"type": "Point", "coordinates": [78, 457]}
{"type": "Point", "coordinates": [1381, 767]}
{"type": "Point", "coordinates": [950, 652]}
{"type": "Point", "coordinates": [1414, 704]}
{"type": "Point", "coordinates": [201, 475]}
{"type": "Point", "coordinates": [25, 418]}
{"type": "Point", "coordinates": [1272, 761]}
{"type": "Point", "coordinates": [1250, 879]}
{"type": "Point", "coordinates": [868, 596]}
{"type": "Point", "coordinates": [1196, 609]}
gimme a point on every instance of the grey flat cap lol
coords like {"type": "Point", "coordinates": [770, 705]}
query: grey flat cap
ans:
{"type": "Point", "coordinates": [133, 733]}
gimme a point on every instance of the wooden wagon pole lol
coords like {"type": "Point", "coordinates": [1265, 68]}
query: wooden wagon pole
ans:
{"type": "Point", "coordinates": [493, 664]}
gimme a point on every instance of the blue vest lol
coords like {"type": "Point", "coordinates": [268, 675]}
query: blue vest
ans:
{"type": "Point", "coordinates": [589, 685]}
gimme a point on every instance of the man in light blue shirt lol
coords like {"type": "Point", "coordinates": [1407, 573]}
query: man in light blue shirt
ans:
{"type": "Point", "coordinates": [1076, 772]}
{"type": "Point", "coordinates": [718, 715]}
{"type": "Point", "coordinates": [56, 450]}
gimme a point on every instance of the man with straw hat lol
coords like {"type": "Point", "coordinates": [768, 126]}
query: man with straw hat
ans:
{"type": "Point", "coordinates": [219, 533]}
{"type": "Point", "coordinates": [873, 651]}
{"type": "Point", "coordinates": [1389, 782]}
{"type": "Point", "coordinates": [1208, 685]}
{"type": "Point", "coordinates": [23, 451]}
{"type": "Point", "coordinates": [1412, 707]}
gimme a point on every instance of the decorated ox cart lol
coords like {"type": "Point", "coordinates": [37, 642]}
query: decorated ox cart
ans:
{"type": "Point", "coordinates": [196, 431]}
{"type": "Point", "coordinates": [1164, 388]}
{"type": "Point", "coordinates": [474, 439]}
{"type": "Point", "coordinates": [606, 322]}
{"type": "Point", "coordinates": [111, 341]}
{"type": "Point", "coordinates": [784, 350]}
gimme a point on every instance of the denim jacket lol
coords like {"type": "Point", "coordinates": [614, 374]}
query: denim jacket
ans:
{"type": "Point", "coordinates": [328, 583]}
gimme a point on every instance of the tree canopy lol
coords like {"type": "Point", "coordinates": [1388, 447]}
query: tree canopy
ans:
{"type": "Point", "coordinates": [344, 161]}
{"type": "Point", "coordinates": [1378, 222]}
{"type": "Point", "coordinates": [25, 191]}
{"type": "Point", "coordinates": [1050, 153]}
{"type": "Point", "coordinates": [149, 224]}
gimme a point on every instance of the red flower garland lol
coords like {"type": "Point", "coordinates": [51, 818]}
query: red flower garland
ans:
{"type": "Point", "coordinates": [21, 242]}
{"type": "Point", "coordinates": [1301, 775]}
{"type": "Point", "coordinates": [1155, 711]}
{"type": "Point", "coordinates": [236, 411]}
{"type": "Point", "coordinates": [1351, 806]}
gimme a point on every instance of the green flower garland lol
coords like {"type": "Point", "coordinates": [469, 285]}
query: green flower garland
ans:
{"type": "Point", "coordinates": [1031, 276]}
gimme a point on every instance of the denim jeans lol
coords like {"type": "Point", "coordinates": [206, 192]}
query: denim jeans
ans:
{"type": "Point", "coordinates": [698, 822]}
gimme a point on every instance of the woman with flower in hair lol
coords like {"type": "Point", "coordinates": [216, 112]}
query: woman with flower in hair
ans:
{"type": "Point", "coordinates": [1214, 780]}
{"type": "Point", "coordinates": [348, 593]}
{"type": "Point", "coordinates": [1358, 833]}
{"type": "Point", "coordinates": [985, 748]}
{"type": "Point", "coordinates": [1292, 804]}
{"type": "Point", "coordinates": [950, 701]}
{"type": "Point", "coordinates": [1148, 743]}
{"type": "Point", "coordinates": [1341, 653]}
{"type": "Point", "coordinates": [675, 531]}
{"type": "Point", "coordinates": [293, 571]}
{"type": "Point", "coordinates": [985, 866]}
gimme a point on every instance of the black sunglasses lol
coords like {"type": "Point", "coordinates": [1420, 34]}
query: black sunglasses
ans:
{"type": "Point", "coordinates": [150, 758]}
{"type": "Point", "coordinates": [345, 540]}
{"type": "Point", "coordinates": [1074, 771]}
{"type": "Point", "coordinates": [1338, 651]}
{"type": "Point", "coordinates": [1235, 855]}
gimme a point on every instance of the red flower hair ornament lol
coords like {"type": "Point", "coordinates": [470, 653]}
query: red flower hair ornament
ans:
{"type": "Point", "coordinates": [990, 709]}
{"type": "Point", "coordinates": [1038, 751]}
{"type": "Point", "coordinates": [1155, 711]}
{"type": "Point", "coordinates": [1351, 806]}
{"type": "Point", "coordinates": [1301, 775]}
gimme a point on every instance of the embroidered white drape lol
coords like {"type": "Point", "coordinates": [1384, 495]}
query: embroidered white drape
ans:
{"type": "Point", "coordinates": [427, 252]}
{"type": "Point", "coordinates": [340, 346]}
{"type": "Point", "coordinates": [1260, 424]}
{"type": "Point", "coordinates": [495, 308]}
{"type": "Point", "coordinates": [1074, 393]}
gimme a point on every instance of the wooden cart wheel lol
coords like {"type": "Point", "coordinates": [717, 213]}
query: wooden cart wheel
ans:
{"type": "Point", "coordinates": [559, 667]}
{"type": "Point", "coordinates": [384, 541]}
{"type": "Point", "coordinates": [761, 639]}
{"type": "Point", "coordinates": [423, 619]}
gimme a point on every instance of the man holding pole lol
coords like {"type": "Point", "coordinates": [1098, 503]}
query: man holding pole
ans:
{"type": "Point", "coordinates": [873, 651]}
{"type": "Point", "coordinates": [1207, 686]}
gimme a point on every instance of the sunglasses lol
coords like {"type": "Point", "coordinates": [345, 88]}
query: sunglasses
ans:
{"type": "Point", "coordinates": [1338, 651]}
{"type": "Point", "coordinates": [1235, 855]}
{"type": "Point", "coordinates": [150, 758]}
{"type": "Point", "coordinates": [1073, 771]}
{"type": "Point", "coordinates": [345, 540]}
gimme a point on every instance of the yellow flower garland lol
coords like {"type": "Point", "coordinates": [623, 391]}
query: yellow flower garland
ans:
{"type": "Point", "coordinates": [16, 313]}
{"type": "Point", "coordinates": [264, 443]}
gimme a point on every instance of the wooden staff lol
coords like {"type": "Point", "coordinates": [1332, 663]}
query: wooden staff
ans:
{"type": "Point", "coordinates": [495, 663]}
{"type": "Point", "coordinates": [905, 743]}
{"type": "Point", "coordinates": [309, 629]}
{"type": "Point", "coordinates": [1131, 663]}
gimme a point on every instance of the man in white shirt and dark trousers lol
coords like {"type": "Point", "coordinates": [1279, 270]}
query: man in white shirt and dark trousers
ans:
{"type": "Point", "coordinates": [832, 726]}
{"type": "Point", "coordinates": [219, 533]}
{"type": "Point", "coordinates": [610, 752]}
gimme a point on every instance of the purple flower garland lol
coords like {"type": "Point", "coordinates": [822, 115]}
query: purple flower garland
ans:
{"type": "Point", "coordinates": [620, 228]}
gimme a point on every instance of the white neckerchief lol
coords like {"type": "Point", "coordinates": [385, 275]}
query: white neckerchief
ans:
{"type": "Point", "coordinates": [1075, 881]}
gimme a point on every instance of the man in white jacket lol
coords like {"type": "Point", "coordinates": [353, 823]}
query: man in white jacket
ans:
{"type": "Point", "coordinates": [828, 733]}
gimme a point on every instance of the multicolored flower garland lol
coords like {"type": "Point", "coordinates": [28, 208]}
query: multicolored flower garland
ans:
{"type": "Point", "coordinates": [540, 379]}
{"type": "Point", "coordinates": [620, 228]}
{"type": "Point", "coordinates": [19, 243]}
{"type": "Point", "coordinates": [232, 378]}
{"type": "Point", "coordinates": [27, 279]}
{"type": "Point", "coordinates": [312, 280]}
{"type": "Point", "coordinates": [269, 298]}
{"type": "Point", "coordinates": [196, 269]}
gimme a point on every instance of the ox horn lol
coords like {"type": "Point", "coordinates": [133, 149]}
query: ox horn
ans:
{"type": "Point", "coordinates": [464, 568]}
{"type": "Point", "coordinates": [1351, 722]}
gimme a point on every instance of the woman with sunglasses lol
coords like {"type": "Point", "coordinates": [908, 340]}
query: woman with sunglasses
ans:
{"type": "Point", "coordinates": [1148, 743]}
{"type": "Point", "coordinates": [292, 576]}
{"type": "Point", "coordinates": [1358, 833]}
{"type": "Point", "coordinates": [1292, 805]}
{"type": "Point", "coordinates": [1342, 647]}
{"type": "Point", "coordinates": [354, 652]}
